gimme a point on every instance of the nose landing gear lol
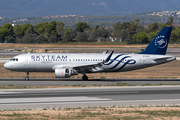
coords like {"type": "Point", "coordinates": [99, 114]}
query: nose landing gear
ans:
{"type": "Point", "coordinates": [27, 76]}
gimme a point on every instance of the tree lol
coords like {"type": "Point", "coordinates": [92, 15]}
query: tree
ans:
{"type": "Point", "coordinates": [29, 38]}
{"type": "Point", "coordinates": [173, 37]}
{"type": "Point", "coordinates": [10, 39]}
{"type": "Point", "coordinates": [161, 26]}
{"type": "Point", "coordinates": [3, 33]}
{"type": "Point", "coordinates": [177, 32]}
{"type": "Point", "coordinates": [170, 21]}
{"type": "Point", "coordinates": [80, 26]}
{"type": "Point", "coordinates": [40, 28]}
{"type": "Point", "coordinates": [101, 32]}
{"type": "Point", "coordinates": [19, 30]}
{"type": "Point", "coordinates": [69, 35]}
{"type": "Point", "coordinates": [93, 36]}
{"type": "Point", "coordinates": [153, 27]}
{"type": "Point", "coordinates": [140, 38]}
{"type": "Point", "coordinates": [81, 37]}
{"type": "Point", "coordinates": [30, 29]}
{"type": "Point", "coordinates": [10, 28]}
{"type": "Point", "coordinates": [120, 31]}
{"type": "Point", "coordinates": [60, 29]}
{"type": "Point", "coordinates": [95, 27]}
{"type": "Point", "coordinates": [41, 39]}
{"type": "Point", "coordinates": [152, 35]}
{"type": "Point", "coordinates": [132, 29]}
{"type": "Point", "coordinates": [49, 28]}
{"type": "Point", "coordinates": [52, 39]}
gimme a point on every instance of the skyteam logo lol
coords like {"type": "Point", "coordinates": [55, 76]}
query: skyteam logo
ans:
{"type": "Point", "coordinates": [120, 61]}
{"type": "Point", "coordinates": [161, 41]}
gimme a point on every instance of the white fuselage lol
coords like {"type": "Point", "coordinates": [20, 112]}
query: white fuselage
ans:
{"type": "Point", "coordinates": [119, 62]}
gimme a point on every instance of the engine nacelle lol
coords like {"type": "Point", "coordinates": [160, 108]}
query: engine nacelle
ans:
{"type": "Point", "coordinates": [64, 72]}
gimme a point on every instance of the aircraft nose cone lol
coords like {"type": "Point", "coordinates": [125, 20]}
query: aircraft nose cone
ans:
{"type": "Point", "coordinates": [6, 65]}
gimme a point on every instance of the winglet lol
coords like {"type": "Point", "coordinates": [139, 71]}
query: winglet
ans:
{"type": "Point", "coordinates": [105, 52]}
{"type": "Point", "coordinates": [109, 57]}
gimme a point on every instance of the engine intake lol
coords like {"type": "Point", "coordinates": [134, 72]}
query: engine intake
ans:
{"type": "Point", "coordinates": [64, 72]}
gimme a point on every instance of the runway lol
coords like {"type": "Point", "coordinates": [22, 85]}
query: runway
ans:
{"type": "Point", "coordinates": [90, 82]}
{"type": "Point", "coordinates": [84, 97]}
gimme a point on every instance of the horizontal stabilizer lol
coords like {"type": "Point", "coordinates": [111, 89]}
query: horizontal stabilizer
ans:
{"type": "Point", "coordinates": [164, 58]}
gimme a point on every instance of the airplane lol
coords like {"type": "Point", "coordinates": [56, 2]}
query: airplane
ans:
{"type": "Point", "coordinates": [66, 65]}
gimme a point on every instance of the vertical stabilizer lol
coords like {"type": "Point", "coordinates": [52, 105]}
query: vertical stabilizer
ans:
{"type": "Point", "coordinates": [160, 43]}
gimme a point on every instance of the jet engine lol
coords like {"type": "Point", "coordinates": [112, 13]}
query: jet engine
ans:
{"type": "Point", "coordinates": [64, 72]}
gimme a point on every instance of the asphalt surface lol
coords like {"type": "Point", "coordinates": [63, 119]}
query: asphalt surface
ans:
{"type": "Point", "coordinates": [90, 82]}
{"type": "Point", "coordinates": [84, 97]}
{"type": "Point", "coordinates": [9, 53]}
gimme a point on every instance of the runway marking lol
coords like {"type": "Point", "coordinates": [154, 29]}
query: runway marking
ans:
{"type": "Point", "coordinates": [6, 92]}
{"type": "Point", "coordinates": [48, 99]}
{"type": "Point", "coordinates": [100, 102]}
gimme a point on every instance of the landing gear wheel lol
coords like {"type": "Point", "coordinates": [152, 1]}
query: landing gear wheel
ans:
{"type": "Point", "coordinates": [26, 78]}
{"type": "Point", "coordinates": [84, 77]}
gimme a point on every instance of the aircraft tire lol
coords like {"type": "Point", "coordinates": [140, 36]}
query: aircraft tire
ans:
{"type": "Point", "coordinates": [84, 77]}
{"type": "Point", "coordinates": [26, 78]}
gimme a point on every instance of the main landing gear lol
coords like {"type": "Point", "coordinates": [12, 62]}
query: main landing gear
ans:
{"type": "Point", "coordinates": [27, 76]}
{"type": "Point", "coordinates": [84, 77]}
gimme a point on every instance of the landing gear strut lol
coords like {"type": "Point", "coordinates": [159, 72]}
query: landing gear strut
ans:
{"type": "Point", "coordinates": [27, 76]}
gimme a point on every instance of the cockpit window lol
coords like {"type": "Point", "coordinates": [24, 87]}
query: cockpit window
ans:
{"type": "Point", "coordinates": [14, 59]}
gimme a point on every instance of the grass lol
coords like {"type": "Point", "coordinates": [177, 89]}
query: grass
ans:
{"type": "Point", "coordinates": [97, 113]}
{"type": "Point", "coordinates": [11, 86]}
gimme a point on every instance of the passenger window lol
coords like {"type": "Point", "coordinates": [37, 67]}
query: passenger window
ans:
{"type": "Point", "coordinates": [16, 59]}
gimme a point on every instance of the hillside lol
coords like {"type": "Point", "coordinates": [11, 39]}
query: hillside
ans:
{"type": "Point", "coordinates": [29, 8]}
